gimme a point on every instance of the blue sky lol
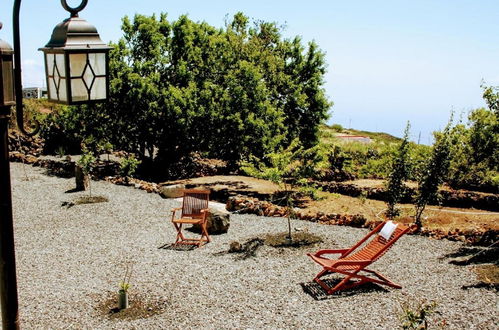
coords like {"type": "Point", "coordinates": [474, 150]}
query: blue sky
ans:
{"type": "Point", "coordinates": [388, 61]}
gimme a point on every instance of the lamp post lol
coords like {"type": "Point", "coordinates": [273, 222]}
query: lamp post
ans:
{"type": "Point", "coordinates": [76, 66]}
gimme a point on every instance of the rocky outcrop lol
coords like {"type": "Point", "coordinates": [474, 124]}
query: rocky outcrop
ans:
{"type": "Point", "coordinates": [246, 205]}
{"type": "Point", "coordinates": [218, 221]}
{"type": "Point", "coordinates": [172, 191]}
{"type": "Point", "coordinates": [449, 198]}
{"type": "Point", "coordinates": [28, 145]}
{"type": "Point", "coordinates": [241, 204]}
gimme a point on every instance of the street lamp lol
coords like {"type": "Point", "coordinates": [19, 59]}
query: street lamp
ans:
{"type": "Point", "coordinates": [76, 66]}
{"type": "Point", "coordinates": [76, 61]}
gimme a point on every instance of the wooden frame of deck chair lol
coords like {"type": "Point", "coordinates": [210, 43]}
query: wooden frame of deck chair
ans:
{"type": "Point", "coordinates": [354, 260]}
{"type": "Point", "coordinates": [194, 211]}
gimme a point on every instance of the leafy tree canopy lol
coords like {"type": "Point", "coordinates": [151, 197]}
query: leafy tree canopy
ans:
{"type": "Point", "coordinates": [230, 93]}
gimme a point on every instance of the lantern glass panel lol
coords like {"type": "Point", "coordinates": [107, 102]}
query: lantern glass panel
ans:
{"type": "Point", "coordinates": [49, 59]}
{"type": "Point", "coordinates": [98, 63]}
{"type": "Point", "coordinates": [79, 91]}
{"type": "Point", "coordinates": [8, 79]}
{"type": "Point", "coordinates": [60, 65]}
{"type": "Point", "coordinates": [52, 89]}
{"type": "Point", "coordinates": [88, 77]}
{"type": "Point", "coordinates": [63, 95]}
{"type": "Point", "coordinates": [99, 91]}
{"type": "Point", "coordinates": [77, 64]}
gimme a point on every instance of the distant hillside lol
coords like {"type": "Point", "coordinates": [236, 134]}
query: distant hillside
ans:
{"type": "Point", "coordinates": [329, 135]}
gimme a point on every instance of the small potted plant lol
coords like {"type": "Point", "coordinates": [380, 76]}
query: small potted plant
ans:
{"type": "Point", "coordinates": [123, 291]}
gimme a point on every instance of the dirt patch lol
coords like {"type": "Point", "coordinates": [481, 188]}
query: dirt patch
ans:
{"type": "Point", "coordinates": [141, 306]}
{"type": "Point", "coordinates": [298, 239]}
{"type": "Point", "coordinates": [91, 200]}
{"type": "Point", "coordinates": [249, 248]}
{"type": "Point", "coordinates": [223, 187]}
{"type": "Point", "coordinates": [488, 274]}
{"type": "Point", "coordinates": [443, 218]}
{"type": "Point", "coordinates": [488, 277]}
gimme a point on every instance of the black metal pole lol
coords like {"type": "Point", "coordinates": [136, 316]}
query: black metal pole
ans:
{"type": "Point", "coordinates": [8, 280]}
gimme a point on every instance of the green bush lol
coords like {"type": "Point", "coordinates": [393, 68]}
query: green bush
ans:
{"type": "Point", "coordinates": [128, 166]}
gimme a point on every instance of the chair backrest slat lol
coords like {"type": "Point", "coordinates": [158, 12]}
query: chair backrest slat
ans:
{"type": "Point", "coordinates": [194, 201]}
{"type": "Point", "coordinates": [378, 246]}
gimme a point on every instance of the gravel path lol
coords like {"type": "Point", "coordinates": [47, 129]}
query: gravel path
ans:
{"type": "Point", "coordinates": [69, 259]}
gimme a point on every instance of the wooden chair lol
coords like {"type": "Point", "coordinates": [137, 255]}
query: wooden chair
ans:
{"type": "Point", "coordinates": [354, 260]}
{"type": "Point", "coordinates": [194, 211]}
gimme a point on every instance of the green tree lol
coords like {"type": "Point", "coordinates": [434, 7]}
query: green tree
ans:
{"type": "Point", "coordinates": [400, 171]}
{"type": "Point", "coordinates": [289, 169]}
{"type": "Point", "coordinates": [475, 161]}
{"type": "Point", "coordinates": [434, 172]}
{"type": "Point", "coordinates": [178, 87]}
{"type": "Point", "coordinates": [86, 162]}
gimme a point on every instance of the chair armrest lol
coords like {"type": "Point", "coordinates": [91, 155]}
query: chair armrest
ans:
{"type": "Point", "coordinates": [205, 211]}
{"type": "Point", "coordinates": [175, 211]}
{"type": "Point", "coordinates": [337, 251]}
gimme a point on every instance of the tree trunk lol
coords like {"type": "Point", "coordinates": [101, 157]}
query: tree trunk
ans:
{"type": "Point", "coordinates": [82, 179]}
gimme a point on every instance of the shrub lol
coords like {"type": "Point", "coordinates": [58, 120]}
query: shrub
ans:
{"type": "Point", "coordinates": [400, 169]}
{"type": "Point", "coordinates": [128, 166]}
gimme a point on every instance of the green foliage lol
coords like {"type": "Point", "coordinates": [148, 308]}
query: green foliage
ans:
{"type": "Point", "coordinates": [289, 169]}
{"type": "Point", "coordinates": [350, 159]}
{"type": "Point", "coordinates": [434, 172]}
{"type": "Point", "coordinates": [34, 109]}
{"type": "Point", "coordinates": [128, 166]}
{"type": "Point", "coordinates": [475, 150]}
{"type": "Point", "coordinates": [289, 166]}
{"type": "Point", "coordinates": [415, 316]}
{"type": "Point", "coordinates": [178, 87]}
{"type": "Point", "coordinates": [400, 170]}
{"type": "Point", "coordinates": [71, 126]}
{"type": "Point", "coordinates": [368, 160]}
{"type": "Point", "coordinates": [491, 97]}
{"type": "Point", "coordinates": [124, 284]}
{"type": "Point", "coordinates": [337, 128]}
{"type": "Point", "coordinates": [339, 164]}
{"type": "Point", "coordinates": [86, 162]}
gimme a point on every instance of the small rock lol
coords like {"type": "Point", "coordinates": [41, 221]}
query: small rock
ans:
{"type": "Point", "coordinates": [235, 246]}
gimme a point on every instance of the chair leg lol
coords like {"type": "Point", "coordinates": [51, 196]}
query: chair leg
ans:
{"type": "Point", "coordinates": [347, 282]}
{"type": "Point", "coordinates": [204, 232]}
{"type": "Point", "coordinates": [384, 280]}
{"type": "Point", "coordinates": [180, 237]}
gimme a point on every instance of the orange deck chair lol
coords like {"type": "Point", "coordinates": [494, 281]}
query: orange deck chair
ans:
{"type": "Point", "coordinates": [194, 211]}
{"type": "Point", "coordinates": [355, 260]}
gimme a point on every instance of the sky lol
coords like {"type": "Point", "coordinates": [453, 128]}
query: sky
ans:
{"type": "Point", "coordinates": [389, 62]}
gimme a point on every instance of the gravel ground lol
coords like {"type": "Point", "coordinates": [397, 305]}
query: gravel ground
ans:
{"type": "Point", "coordinates": [69, 259]}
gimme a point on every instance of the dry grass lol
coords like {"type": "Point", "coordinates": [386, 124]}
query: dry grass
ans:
{"type": "Point", "coordinates": [488, 274]}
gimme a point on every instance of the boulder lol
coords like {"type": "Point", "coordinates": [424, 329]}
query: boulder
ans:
{"type": "Point", "coordinates": [172, 191]}
{"type": "Point", "coordinates": [218, 220]}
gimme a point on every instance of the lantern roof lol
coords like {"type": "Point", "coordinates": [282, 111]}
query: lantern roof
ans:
{"type": "Point", "coordinates": [75, 33]}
